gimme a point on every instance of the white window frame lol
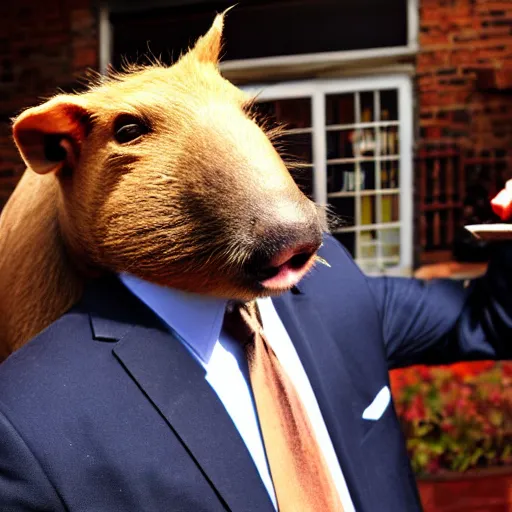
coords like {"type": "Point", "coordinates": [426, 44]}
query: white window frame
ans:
{"type": "Point", "coordinates": [104, 37]}
{"type": "Point", "coordinates": [317, 91]}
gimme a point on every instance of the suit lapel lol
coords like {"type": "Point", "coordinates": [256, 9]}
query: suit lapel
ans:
{"type": "Point", "coordinates": [339, 403]}
{"type": "Point", "coordinates": [175, 384]}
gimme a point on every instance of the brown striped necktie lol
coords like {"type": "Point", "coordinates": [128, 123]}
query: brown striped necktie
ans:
{"type": "Point", "coordinates": [301, 477]}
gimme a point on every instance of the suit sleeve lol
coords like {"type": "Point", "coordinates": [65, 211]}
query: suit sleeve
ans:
{"type": "Point", "coordinates": [24, 486]}
{"type": "Point", "coordinates": [442, 321]}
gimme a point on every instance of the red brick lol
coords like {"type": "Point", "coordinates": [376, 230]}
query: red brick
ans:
{"type": "Point", "coordinates": [464, 36]}
{"type": "Point", "coordinates": [85, 57]}
{"type": "Point", "coordinates": [46, 42]}
{"type": "Point", "coordinates": [480, 38]}
{"type": "Point", "coordinates": [434, 37]}
{"type": "Point", "coordinates": [82, 20]}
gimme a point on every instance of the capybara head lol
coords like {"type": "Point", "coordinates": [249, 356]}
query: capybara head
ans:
{"type": "Point", "coordinates": [164, 173]}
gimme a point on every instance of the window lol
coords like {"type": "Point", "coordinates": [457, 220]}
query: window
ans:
{"type": "Point", "coordinates": [354, 139]}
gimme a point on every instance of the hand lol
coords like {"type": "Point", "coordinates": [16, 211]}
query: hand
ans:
{"type": "Point", "coordinates": [502, 203]}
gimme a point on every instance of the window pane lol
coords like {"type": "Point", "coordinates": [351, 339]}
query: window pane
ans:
{"type": "Point", "coordinates": [390, 208]}
{"type": "Point", "coordinates": [368, 244]}
{"type": "Point", "coordinates": [389, 143]}
{"type": "Point", "coordinates": [369, 266]}
{"type": "Point", "coordinates": [389, 251]}
{"type": "Point", "coordinates": [389, 105]}
{"type": "Point", "coordinates": [340, 144]}
{"type": "Point", "coordinates": [344, 209]}
{"type": "Point", "coordinates": [367, 179]}
{"type": "Point", "coordinates": [368, 210]}
{"type": "Point", "coordinates": [266, 108]}
{"type": "Point", "coordinates": [390, 241]}
{"type": "Point", "coordinates": [339, 109]}
{"type": "Point", "coordinates": [340, 178]}
{"type": "Point", "coordinates": [303, 176]}
{"type": "Point", "coordinates": [296, 147]}
{"type": "Point", "coordinates": [389, 176]}
{"type": "Point", "coordinates": [365, 142]}
{"type": "Point", "coordinates": [367, 107]}
{"type": "Point", "coordinates": [369, 251]}
{"type": "Point", "coordinates": [294, 113]}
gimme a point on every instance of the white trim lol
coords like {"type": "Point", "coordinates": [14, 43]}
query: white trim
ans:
{"type": "Point", "coordinates": [319, 142]}
{"type": "Point", "coordinates": [405, 137]}
{"type": "Point", "coordinates": [358, 159]}
{"type": "Point", "coordinates": [104, 37]}
{"type": "Point", "coordinates": [370, 227]}
{"type": "Point", "coordinates": [378, 183]}
{"type": "Point", "coordinates": [413, 23]}
{"type": "Point", "coordinates": [357, 167]}
{"type": "Point", "coordinates": [362, 193]}
{"type": "Point", "coordinates": [373, 124]}
{"type": "Point", "coordinates": [303, 88]}
{"type": "Point", "coordinates": [318, 60]}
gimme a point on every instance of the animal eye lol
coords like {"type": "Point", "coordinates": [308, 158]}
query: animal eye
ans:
{"type": "Point", "coordinates": [128, 128]}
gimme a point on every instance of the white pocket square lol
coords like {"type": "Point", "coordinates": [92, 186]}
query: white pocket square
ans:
{"type": "Point", "coordinates": [380, 403]}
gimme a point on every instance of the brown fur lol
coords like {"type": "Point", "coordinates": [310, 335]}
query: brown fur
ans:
{"type": "Point", "coordinates": [181, 206]}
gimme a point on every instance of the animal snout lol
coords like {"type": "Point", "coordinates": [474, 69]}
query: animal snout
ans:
{"type": "Point", "coordinates": [284, 254]}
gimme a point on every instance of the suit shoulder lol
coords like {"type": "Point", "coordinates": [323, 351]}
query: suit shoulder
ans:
{"type": "Point", "coordinates": [68, 328]}
{"type": "Point", "coordinates": [331, 247]}
{"type": "Point", "coordinates": [50, 358]}
{"type": "Point", "coordinates": [338, 265]}
{"type": "Point", "coordinates": [339, 281]}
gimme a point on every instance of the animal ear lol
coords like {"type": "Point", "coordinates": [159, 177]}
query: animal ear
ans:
{"type": "Point", "coordinates": [208, 47]}
{"type": "Point", "coordinates": [49, 137]}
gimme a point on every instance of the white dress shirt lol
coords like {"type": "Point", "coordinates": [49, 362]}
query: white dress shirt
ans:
{"type": "Point", "coordinates": [196, 320]}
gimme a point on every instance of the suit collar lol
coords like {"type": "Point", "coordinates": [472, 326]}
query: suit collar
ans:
{"type": "Point", "coordinates": [195, 319]}
{"type": "Point", "coordinates": [112, 310]}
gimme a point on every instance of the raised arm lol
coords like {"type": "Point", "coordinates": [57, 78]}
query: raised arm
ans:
{"type": "Point", "coordinates": [442, 322]}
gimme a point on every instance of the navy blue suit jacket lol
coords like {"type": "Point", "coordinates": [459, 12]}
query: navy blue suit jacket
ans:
{"type": "Point", "coordinates": [107, 411]}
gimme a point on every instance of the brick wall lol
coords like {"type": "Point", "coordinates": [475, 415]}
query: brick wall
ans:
{"type": "Point", "coordinates": [464, 87]}
{"type": "Point", "coordinates": [44, 45]}
{"type": "Point", "coordinates": [464, 43]}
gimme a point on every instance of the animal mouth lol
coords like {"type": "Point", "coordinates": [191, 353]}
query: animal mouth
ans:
{"type": "Point", "coordinates": [287, 268]}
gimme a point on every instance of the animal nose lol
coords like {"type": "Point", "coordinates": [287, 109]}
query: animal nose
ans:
{"type": "Point", "coordinates": [295, 256]}
{"type": "Point", "coordinates": [284, 255]}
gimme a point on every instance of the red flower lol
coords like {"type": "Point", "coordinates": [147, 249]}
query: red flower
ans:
{"type": "Point", "coordinates": [433, 465]}
{"type": "Point", "coordinates": [416, 410]}
{"type": "Point", "coordinates": [489, 429]}
{"type": "Point", "coordinates": [448, 428]}
{"type": "Point", "coordinates": [424, 373]}
{"type": "Point", "coordinates": [456, 419]}
{"type": "Point", "coordinates": [495, 397]}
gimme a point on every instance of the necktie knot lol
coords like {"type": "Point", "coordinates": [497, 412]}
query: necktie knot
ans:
{"type": "Point", "coordinates": [243, 322]}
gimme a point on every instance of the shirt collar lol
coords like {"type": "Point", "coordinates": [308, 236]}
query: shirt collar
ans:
{"type": "Point", "coordinates": [196, 319]}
